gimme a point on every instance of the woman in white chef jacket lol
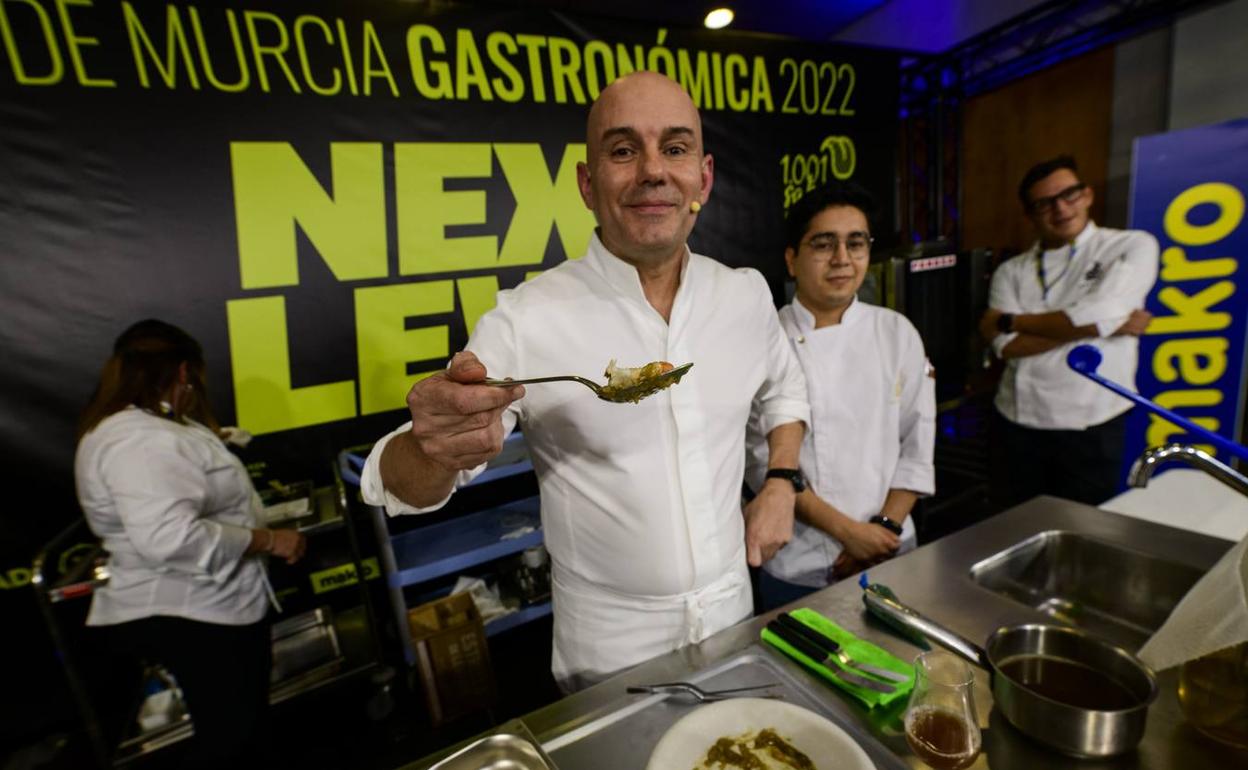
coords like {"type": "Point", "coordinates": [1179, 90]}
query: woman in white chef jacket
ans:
{"type": "Point", "coordinates": [178, 516]}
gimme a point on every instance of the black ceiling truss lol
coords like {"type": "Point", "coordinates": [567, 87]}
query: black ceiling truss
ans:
{"type": "Point", "coordinates": [933, 87]}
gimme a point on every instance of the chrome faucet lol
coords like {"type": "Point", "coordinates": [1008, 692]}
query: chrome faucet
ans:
{"type": "Point", "coordinates": [1142, 469]}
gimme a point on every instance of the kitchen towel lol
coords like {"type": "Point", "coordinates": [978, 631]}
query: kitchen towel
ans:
{"type": "Point", "coordinates": [1212, 616]}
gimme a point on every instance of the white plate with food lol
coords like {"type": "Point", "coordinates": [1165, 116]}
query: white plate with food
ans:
{"type": "Point", "coordinates": [781, 736]}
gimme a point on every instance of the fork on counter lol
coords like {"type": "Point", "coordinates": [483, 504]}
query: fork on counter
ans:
{"type": "Point", "coordinates": [830, 647]}
{"type": "Point", "coordinates": [703, 696]}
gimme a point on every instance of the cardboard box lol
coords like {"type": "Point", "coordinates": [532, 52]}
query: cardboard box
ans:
{"type": "Point", "coordinates": [452, 657]}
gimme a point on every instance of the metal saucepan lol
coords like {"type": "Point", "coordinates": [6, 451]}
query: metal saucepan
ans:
{"type": "Point", "coordinates": [1059, 685]}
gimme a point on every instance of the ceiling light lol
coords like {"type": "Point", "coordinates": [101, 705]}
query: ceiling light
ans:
{"type": "Point", "coordinates": [718, 18]}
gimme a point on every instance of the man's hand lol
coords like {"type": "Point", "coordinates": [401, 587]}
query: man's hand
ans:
{"type": "Point", "coordinates": [870, 543]}
{"type": "Point", "coordinates": [844, 566]}
{"type": "Point", "coordinates": [988, 324]}
{"type": "Point", "coordinates": [457, 423]}
{"type": "Point", "coordinates": [1135, 324]}
{"type": "Point", "coordinates": [864, 545]}
{"type": "Point", "coordinates": [769, 521]}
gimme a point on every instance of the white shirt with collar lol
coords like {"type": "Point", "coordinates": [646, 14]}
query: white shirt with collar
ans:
{"type": "Point", "coordinates": [174, 509]}
{"type": "Point", "coordinates": [641, 503]}
{"type": "Point", "coordinates": [1099, 279]}
{"type": "Point", "coordinates": [873, 411]}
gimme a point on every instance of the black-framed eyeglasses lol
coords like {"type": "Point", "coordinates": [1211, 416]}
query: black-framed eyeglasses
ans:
{"type": "Point", "coordinates": [822, 247]}
{"type": "Point", "coordinates": [1068, 196]}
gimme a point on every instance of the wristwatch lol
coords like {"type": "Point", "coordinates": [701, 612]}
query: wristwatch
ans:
{"type": "Point", "coordinates": [1005, 323]}
{"type": "Point", "coordinates": [793, 475]}
{"type": "Point", "coordinates": [886, 523]}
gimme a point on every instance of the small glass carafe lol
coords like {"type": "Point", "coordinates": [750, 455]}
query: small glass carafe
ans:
{"type": "Point", "coordinates": [942, 726]}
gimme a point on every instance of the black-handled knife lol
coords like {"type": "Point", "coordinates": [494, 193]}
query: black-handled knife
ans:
{"type": "Point", "coordinates": [831, 647]}
{"type": "Point", "coordinates": [812, 651]}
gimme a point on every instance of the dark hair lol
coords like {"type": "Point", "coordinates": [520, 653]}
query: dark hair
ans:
{"type": "Point", "coordinates": [1040, 171]}
{"type": "Point", "coordinates": [812, 203]}
{"type": "Point", "coordinates": [142, 370]}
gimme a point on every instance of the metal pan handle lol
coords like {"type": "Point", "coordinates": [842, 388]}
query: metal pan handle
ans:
{"type": "Point", "coordinates": [900, 613]}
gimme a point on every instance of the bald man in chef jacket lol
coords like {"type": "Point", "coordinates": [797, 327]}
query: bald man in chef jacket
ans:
{"type": "Point", "coordinates": [641, 504]}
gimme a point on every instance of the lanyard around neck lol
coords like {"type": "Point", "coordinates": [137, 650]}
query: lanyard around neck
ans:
{"type": "Point", "coordinates": [1046, 285]}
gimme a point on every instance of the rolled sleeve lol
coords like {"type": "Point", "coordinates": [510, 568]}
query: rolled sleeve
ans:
{"type": "Point", "coordinates": [1003, 296]}
{"type": "Point", "coordinates": [915, 469]}
{"type": "Point", "coordinates": [1000, 341]}
{"type": "Point", "coordinates": [915, 476]}
{"type": "Point", "coordinates": [493, 342]}
{"type": "Point", "coordinates": [374, 491]}
{"type": "Point", "coordinates": [784, 413]}
{"type": "Point", "coordinates": [782, 399]}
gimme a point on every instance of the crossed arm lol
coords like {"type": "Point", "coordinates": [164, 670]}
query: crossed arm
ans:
{"type": "Point", "coordinates": [1040, 332]}
{"type": "Point", "coordinates": [1131, 277]}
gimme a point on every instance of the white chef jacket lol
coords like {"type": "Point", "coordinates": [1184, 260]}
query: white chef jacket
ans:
{"type": "Point", "coordinates": [641, 503]}
{"type": "Point", "coordinates": [872, 418]}
{"type": "Point", "coordinates": [1109, 275]}
{"type": "Point", "coordinates": [174, 509]}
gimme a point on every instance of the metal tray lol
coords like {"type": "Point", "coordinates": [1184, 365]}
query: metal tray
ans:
{"type": "Point", "coordinates": [303, 642]}
{"type": "Point", "coordinates": [511, 747]}
{"type": "Point", "coordinates": [622, 738]}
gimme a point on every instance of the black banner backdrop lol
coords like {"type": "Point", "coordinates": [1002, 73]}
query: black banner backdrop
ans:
{"type": "Point", "coordinates": [328, 195]}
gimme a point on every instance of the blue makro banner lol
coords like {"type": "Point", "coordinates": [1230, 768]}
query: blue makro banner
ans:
{"type": "Point", "coordinates": [1188, 191]}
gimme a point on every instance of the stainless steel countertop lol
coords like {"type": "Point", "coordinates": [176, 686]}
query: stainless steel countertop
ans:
{"type": "Point", "coordinates": [935, 580]}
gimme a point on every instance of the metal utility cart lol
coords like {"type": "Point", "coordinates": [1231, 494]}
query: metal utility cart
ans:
{"type": "Point", "coordinates": [447, 548]}
{"type": "Point", "coordinates": [312, 649]}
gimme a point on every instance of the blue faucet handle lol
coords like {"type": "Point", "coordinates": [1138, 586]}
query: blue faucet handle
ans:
{"type": "Point", "coordinates": [1084, 359]}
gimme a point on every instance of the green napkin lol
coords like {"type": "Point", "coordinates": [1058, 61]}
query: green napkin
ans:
{"type": "Point", "coordinates": [855, 648]}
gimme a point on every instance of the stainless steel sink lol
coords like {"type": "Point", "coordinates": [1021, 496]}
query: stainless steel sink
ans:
{"type": "Point", "coordinates": [1118, 593]}
{"type": "Point", "coordinates": [510, 747]}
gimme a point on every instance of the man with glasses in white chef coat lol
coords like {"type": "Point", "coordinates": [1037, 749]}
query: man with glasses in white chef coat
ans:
{"type": "Point", "coordinates": [867, 457]}
{"type": "Point", "coordinates": [1060, 433]}
{"type": "Point", "coordinates": [641, 505]}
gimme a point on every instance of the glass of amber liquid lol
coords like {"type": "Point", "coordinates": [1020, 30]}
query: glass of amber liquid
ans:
{"type": "Point", "coordinates": [942, 727]}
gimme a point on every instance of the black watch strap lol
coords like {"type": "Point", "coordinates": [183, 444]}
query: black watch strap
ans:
{"type": "Point", "coordinates": [1005, 323]}
{"type": "Point", "coordinates": [887, 523]}
{"type": "Point", "coordinates": [792, 475]}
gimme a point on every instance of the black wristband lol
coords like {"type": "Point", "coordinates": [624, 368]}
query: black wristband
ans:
{"type": "Point", "coordinates": [887, 523]}
{"type": "Point", "coordinates": [1005, 323]}
{"type": "Point", "coordinates": [792, 475]}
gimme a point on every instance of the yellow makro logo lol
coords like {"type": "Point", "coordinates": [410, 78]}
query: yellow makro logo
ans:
{"type": "Point", "coordinates": [1197, 362]}
{"type": "Point", "coordinates": [343, 575]}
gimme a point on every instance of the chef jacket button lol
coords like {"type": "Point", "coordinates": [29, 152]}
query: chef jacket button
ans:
{"type": "Point", "coordinates": [801, 340]}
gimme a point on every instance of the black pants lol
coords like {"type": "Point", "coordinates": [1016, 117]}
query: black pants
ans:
{"type": "Point", "coordinates": [1080, 465]}
{"type": "Point", "coordinates": [224, 675]}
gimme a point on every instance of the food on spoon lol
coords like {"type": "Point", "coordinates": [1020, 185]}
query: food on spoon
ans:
{"type": "Point", "coordinates": [761, 750]}
{"type": "Point", "coordinates": [631, 385]}
{"type": "Point", "coordinates": [621, 377]}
